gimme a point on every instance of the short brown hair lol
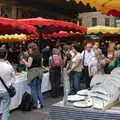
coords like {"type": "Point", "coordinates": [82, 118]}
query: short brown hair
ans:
{"type": "Point", "coordinates": [66, 47]}
{"type": "Point", "coordinates": [77, 47]}
{"type": "Point", "coordinates": [3, 53]}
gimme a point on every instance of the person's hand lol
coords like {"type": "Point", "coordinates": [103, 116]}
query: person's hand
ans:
{"type": "Point", "coordinates": [65, 69]}
{"type": "Point", "coordinates": [103, 62]}
{"type": "Point", "coordinates": [107, 60]}
{"type": "Point", "coordinates": [68, 71]}
{"type": "Point", "coordinates": [23, 61]}
{"type": "Point", "coordinates": [21, 57]}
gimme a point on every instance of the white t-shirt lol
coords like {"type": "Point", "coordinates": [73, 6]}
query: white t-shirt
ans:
{"type": "Point", "coordinates": [87, 56]}
{"type": "Point", "coordinates": [7, 73]}
{"type": "Point", "coordinates": [75, 59]}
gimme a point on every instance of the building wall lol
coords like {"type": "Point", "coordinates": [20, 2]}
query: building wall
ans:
{"type": "Point", "coordinates": [118, 23]}
{"type": "Point", "coordinates": [10, 10]}
{"type": "Point", "coordinates": [87, 19]}
{"type": "Point", "coordinates": [17, 10]}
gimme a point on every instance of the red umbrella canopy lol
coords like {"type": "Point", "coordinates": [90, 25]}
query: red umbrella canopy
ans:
{"type": "Point", "coordinates": [7, 25]}
{"type": "Point", "coordinates": [27, 26]}
{"type": "Point", "coordinates": [61, 34]}
{"type": "Point", "coordinates": [11, 26]}
{"type": "Point", "coordinates": [53, 25]}
{"type": "Point", "coordinates": [56, 35]}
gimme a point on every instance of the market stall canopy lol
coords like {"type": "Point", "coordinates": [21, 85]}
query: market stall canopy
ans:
{"type": "Point", "coordinates": [61, 34]}
{"type": "Point", "coordinates": [11, 26]}
{"type": "Point", "coordinates": [13, 38]}
{"type": "Point", "coordinates": [103, 30]}
{"type": "Point", "coordinates": [110, 7]}
{"type": "Point", "coordinates": [49, 26]}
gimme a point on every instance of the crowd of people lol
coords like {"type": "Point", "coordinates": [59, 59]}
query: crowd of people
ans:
{"type": "Point", "coordinates": [81, 66]}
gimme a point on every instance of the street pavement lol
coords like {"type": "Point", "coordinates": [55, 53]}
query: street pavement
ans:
{"type": "Point", "coordinates": [39, 114]}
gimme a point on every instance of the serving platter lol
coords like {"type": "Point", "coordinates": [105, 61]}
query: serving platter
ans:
{"type": "Point", "coordinates": [84, 92]}
{"type": "Point", "coordinates": [83, 104]}
{"type": "Point", "coordinates": [73, 98]}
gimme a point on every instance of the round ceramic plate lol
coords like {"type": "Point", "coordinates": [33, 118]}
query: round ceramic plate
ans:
{"type": "Point", "coordinates": [84, 92]}
{"type": "Point", "coordinates": [74, 98]}
{"type": "Point", "coordinates": [83, 104]}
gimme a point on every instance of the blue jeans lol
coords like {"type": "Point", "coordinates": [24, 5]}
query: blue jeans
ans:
{"type": "Point", "coordinates": [5, 104]}
{"type": "Point", "coordinates": [35, 86]}
{"type": "Point", "coordinates": [75, 78]}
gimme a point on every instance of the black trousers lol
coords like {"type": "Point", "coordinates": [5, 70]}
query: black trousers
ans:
{"type": "Point", "coordinates": [55, 79]}
{"type": "Point", "coordinates": [86, 77]}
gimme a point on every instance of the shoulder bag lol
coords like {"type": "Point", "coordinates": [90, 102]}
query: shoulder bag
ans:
{"type": "Point", "coordinates": [11, 90]}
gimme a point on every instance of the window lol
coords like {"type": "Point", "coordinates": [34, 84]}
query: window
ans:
{"type": "Point", "coordinates": [6, 11]}
{"type": "Point", "coordinates": [17, 13]}
{"type": "Point", "coordinates": [94, 21]}
{"type": "Point", "coordinates": [80, 21]}
{"type": "Point", "coordinates": [107, 22]}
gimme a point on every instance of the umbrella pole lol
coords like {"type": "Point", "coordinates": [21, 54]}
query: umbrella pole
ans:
{"type": "Point", "coordinates": [40, 40]}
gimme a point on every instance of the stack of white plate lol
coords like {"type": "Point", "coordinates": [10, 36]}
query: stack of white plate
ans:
{"type": "Point", "coordinates": [85, 100]}
{"type": "Point", "coordinates": [98, 79]}
{"type": "Point", "coordinates": [83, 104]}
{"type": "Point", "coordinates": [84, 92]}
{"type": "Point", "coordinates": [104, 95]}
{"type": "Point", "coordinates": [116, 71]}
{"type": "Point", "coordinates": [74, 98]}
{"type": "Point", "coordinates": [99, 103]}
{"type": "Point", "coordinates": [99, 95]}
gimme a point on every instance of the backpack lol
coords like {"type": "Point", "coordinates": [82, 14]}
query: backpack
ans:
{"type": "Point", "coordinates": [56, 61]}
{"type": "Point", "coordinates": [27, 103]}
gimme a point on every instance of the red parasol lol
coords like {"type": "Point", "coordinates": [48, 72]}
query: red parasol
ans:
{"type": "Point", "coordinates": [53, 25]}
{"type": "Point", "coordinates": [27, 26]}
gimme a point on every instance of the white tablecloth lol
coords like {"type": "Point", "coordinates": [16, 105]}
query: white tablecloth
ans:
{"type": "Point", "coordinates": [22, 86]}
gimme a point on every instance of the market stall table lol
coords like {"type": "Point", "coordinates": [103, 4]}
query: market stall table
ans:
{"type": "Point", "coordinates": [22, 86]}
{"type": "Point", "coordinates": [60, 111]}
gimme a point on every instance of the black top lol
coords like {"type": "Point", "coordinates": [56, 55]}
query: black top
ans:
{"type": "Point", "coordinates": [45, 55]}
{"type": "Point", "coordinates": [36, 56]}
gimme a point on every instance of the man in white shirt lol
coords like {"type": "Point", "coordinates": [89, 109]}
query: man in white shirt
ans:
{"type": "Point", "coordinates": [86, 56]}
{"type": "Point", "coordinates": [6, 73]}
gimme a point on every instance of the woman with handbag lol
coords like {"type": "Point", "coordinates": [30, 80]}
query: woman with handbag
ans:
{"type": "Point", "coordinates": [6, 75]}
{"type": "Point", "coordinates": [34, 74]}
{"type": "Point", "coordinates": [74, 68]}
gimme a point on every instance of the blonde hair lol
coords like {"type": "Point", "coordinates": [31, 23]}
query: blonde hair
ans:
{"type": "Point", "coordinates": [55, 51]}
{"type": "Point", "coordinates": [33, 46]}
{"type": "Point", "coordinates": [118, 47]}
